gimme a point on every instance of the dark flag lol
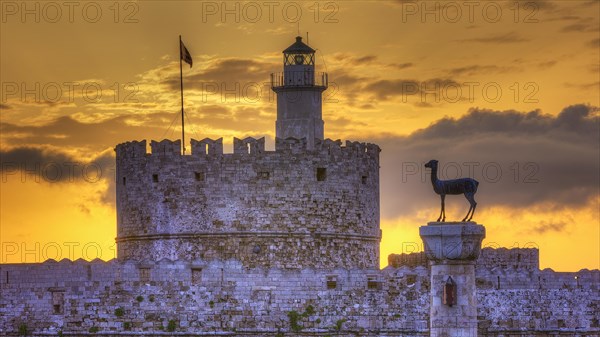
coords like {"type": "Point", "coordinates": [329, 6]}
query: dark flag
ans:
{"type": "Point", "coordinates": [185, 54]}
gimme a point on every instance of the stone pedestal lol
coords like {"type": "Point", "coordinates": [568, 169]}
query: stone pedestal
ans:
{"type": "Point", "coordinates": [452, 249]}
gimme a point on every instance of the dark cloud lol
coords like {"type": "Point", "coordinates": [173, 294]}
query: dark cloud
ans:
{"type": "Point", "coordinates": [595, 43]}
{"type": "Point", "coordinates": [68, 132]}
{"type": "Point", "coordinates": [591, 3]}
{"type": "Point", "coordinates": [344, 59]}
{"type": "Point", "coordinates": [385, 89]}
{"type": "Point", "coordinates": [532, 7]}
{"type": "Point", "coordinates": [511, 37]}
{"type": "Point", "coordinates": [344, 86]}
{"type": "Point", "coordinates": [227, 72]}
{"type": "Point", "coordinates": [520, 159]}
{"type": "Point", "coordinates": [51, 166]}
{"type": "Point", "coordinates": [547, 64]}
{"type": "Point", "coordinates": [234, 69]}
{"type": "Point", "coordinates": [367, 106]}
{"type": "Point", "coordinates": [401, 65]}
{"type": "Point", "coordinates": [366, 59]}
{"type": "Point", "coordinates": [579, 27]}
{"type": "Point", "coordinates": [478, 69]}
{"type": "Point", "coordinates": [566, 18]}
{"type": "Point", "coordinates": [423, 104]}
{"type": "Point", "coordinates": [584, 86]}
{"type": "Point", "coordinates": [549, 226]}
{"type": "Point", "coordinates": [540, 4]}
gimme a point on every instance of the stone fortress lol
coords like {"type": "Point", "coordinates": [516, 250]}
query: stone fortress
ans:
{"type": "Point", "coordinates": [285, 243]}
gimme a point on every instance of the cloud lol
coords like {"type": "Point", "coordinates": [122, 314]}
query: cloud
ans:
{"type": "Point", "coordinates": [511, 37]}
{"type": "Point", "coordinates": [349, 59]}
{"type": "Point", "coordinates": [478, 69]}
{"type": "Point", "coordinates": [401, 65]}
{"type": "Point", "coordinates": [547, 64]}
{"type": "Point", "coordinates": [521, 159]}
{"type": "Point", "coordinates": [51, 166]}
{"type": "Point", "coordinates": [385, 89]}
{"type": "Point", "coordinates": [595, 43]}
{"type": "Point", "coordinates": [536, 4]}
{"type": "Point", "coordinates": [366, 59]}
{"type": "Point", "coordinates": [227, 71]}
{"type": "Point", "coordinates": [343, 60]}
{"type": "Point", "coordinates": [579, 27]}
{"type": "Point", "coordinates": [584, 86]}
{"type": "Point", "coordinates": [549, 226]}
{"type": "Point", "coordinates": [68, 132]}
{"type": "Point", "coordinates": [204, 120]}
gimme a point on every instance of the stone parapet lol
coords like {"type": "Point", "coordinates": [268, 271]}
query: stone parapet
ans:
{"type": "Point", "coordinates": [447, 242]}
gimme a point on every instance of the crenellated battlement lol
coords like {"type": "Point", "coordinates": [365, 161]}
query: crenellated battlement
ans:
{"type": "Point", "coordinates": [291, 145]}
{"type": "Point", "coordinates": [207, 146]}
{"type": "Point", "coordinates": [133, 149]}
{"type": "Point", "coordinates": [248, 145]}
{"type": "Point", "coordinates": [513, 258]}
{"type": "Point", "coordinates": [166, 147]}
{"type": "Point", "coordinates": [329, 146]}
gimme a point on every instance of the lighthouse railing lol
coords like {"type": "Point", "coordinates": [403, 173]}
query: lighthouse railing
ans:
{"type": "Point", "coordinates": [299, 79]}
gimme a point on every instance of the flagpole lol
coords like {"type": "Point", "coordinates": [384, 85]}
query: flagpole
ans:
{"type": "Point", "coordinates": [181, 83]}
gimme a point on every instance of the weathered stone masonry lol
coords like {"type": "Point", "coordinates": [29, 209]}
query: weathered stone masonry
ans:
{"type": "Point", "coordinates": [211, 297]}
{"type": "Point", "coordinates": [203, 297]}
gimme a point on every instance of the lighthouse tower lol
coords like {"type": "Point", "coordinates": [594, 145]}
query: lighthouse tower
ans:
{"type": "Point", "coordinates": [299, 89]}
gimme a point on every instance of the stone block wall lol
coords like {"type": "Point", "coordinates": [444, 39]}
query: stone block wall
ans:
{"type": "Point", "coordinates": [203, 298]}
{"type": "Point", "coordinates": [225, 298]}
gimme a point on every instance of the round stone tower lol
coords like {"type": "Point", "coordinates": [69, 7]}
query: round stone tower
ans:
{"type": "Point", "coordinates": [312, 202]}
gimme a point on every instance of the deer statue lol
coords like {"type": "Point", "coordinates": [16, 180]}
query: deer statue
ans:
{"type": "Point", "coordinates": [466, 186]}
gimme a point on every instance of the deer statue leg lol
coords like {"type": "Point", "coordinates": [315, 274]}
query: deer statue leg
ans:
{"type": "Point", "coordinates": [443, 211]}
{"type": "Point", "coordinates": [443, 208]}
{"type": "Point", "coordinates": [472, 203]}
{"type": "Point", "coordinates": [470, 207]}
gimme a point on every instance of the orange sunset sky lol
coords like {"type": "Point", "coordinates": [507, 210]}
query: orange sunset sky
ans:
{"type": "Point", "coordinates": [506, 92]}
